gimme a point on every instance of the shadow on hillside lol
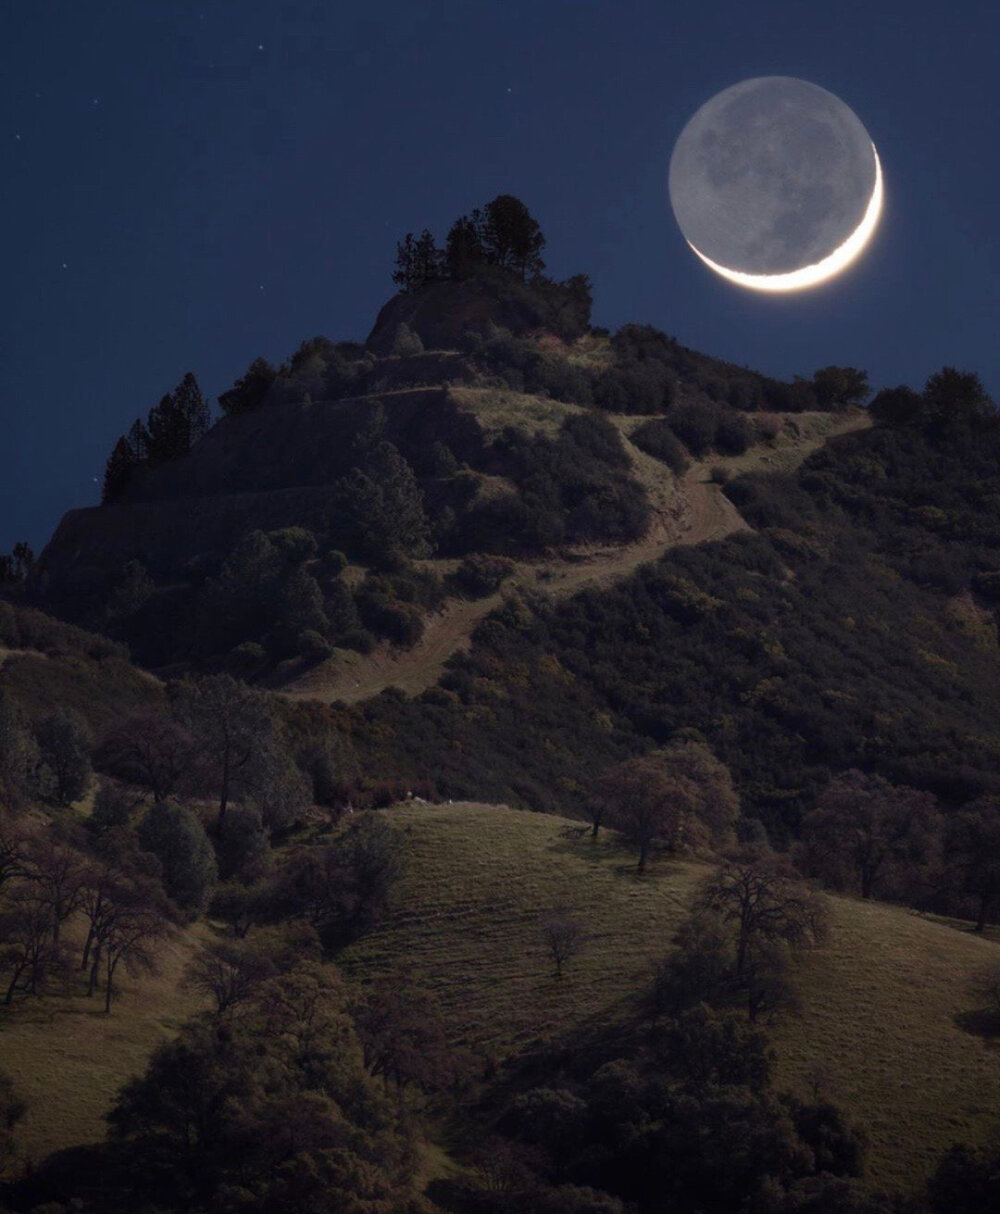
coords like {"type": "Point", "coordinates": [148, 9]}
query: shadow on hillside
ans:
{"type": "Point", "coordinates": [606, 851]}
{"type": "Point", "coordinates": [983, 1023]}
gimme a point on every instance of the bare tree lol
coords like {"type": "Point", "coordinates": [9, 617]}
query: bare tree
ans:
{"type": "Point", "coordinates": [974, 857]}
{"type": "Point", "coordinates": [232, 723]}
{"type": "Point", "coordinates": [864, 829]}
{"type": "Point", "coordinates": [15, 838]}
{"type": "Point", "coordinates": [149, 749]}
{"type": "Point", "coordinates": [229, 972]}
{"type": "Point", "coordinates": [28, 952]}
{"type": "Point", "coordinates": [564, 935]}
{"type": "Point", "coordinates": [130, 938]}
{"type": "Point", "coordinates": [759, 894]}
{"type": "Point", "coordinates": [56, 871]}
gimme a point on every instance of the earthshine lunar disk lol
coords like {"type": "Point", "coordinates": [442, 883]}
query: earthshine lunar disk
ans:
{"type": "Point", "coordinates": [775, 184]}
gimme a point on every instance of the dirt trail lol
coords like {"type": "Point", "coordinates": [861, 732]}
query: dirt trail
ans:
{"type": "Point", "coordinates": [689, 510]}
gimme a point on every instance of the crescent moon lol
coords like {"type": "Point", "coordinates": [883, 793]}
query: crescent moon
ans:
{"type": "Point", "coordinates": [821, 271]}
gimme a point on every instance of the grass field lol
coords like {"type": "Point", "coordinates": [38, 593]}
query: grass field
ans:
{"type": "Point", "coordinates": [68, 1059]}
{"type": "Point", "coordinates": [480, 881]}
{"type": "Point", "coordinates": [879, 1004]}
{"type": "Point", "coordinates": [880, 1026]}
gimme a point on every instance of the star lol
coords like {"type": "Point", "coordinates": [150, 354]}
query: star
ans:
{"type": "Point", "coordinates": [18, 138]}
{"type": "Point", "coordinates": [95, 101]}
{"type": "Point", "coordinates": [64, 265]}
{"type": "Point", "coordinates": [260, 46]}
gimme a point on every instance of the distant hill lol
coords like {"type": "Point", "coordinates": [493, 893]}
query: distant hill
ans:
{"type": "Point", "coordinates": [499, 412]}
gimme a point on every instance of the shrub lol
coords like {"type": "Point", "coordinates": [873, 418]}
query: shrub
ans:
{"type": "Point", "coordinates": [313, 646]}
{"type": "Point", "coordinates": [480, 575]}
{"type": "Point", "coordinates": [657, 439]}
{"type": "Point", "coordinates": [733, 433]}
{"type": "Point", "coordinates": [695, 425]}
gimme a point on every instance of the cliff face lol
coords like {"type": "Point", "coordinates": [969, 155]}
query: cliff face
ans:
{"type": "Point", "coordinates": [271, 468]}
{"type": "Point", "coordinates": [441, 313]}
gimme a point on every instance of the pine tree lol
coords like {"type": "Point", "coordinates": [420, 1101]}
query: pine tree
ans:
{"type": "Point", "coordinates": [404, 275]}
{"type": "Point", "coordinates": [138, 440]}
{"type": "Point", "coordinates": [250, 391]}
{"type": "Point", "coordinates": [464, 250]}
{"type": "Point", "coordinates": [193, 408]}
{"type": "Point", "coordinates": [511, 237]}
{"type": "Point", "coordinates": [118, 471]}
{"type": "Point", "coordinates": [167, 432]}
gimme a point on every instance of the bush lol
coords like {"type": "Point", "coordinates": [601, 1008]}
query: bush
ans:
{"type": "Point", "coordinates": [695, 425]}
{"type": "Point", "coordinates": [657, 439]}
{"type": "Point", "coordinates": [313, 646]}
{"type": "Point", "coordinates": [480, 575]}
{"type": "Point", "coordinates": [733, 433]}
{"type": "Point", "coordinates": [720, 475]}
{"type": "Point", "coordinates": [360, 640]}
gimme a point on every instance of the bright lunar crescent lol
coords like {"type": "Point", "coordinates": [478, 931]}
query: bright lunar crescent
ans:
{"type": "Point", "coordinates": [775, 184]}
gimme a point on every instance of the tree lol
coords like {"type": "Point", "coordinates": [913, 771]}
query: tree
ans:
{"type": "Point", "coordinates": [28, 951]}
{"type": "Point", "coordinates": [249, 391]}
{"type": "Point", "coordinates": [16, 566]}
{"type": "Point", "coordinates": [64, 744]}
{"type": "Point", "coordinates": [241, 846]}
{"type": "Point", "coordinates": [229, 972]}
{"type": "Point", "coordinates": [564, 936]}
{"type": "Point", "coordinates": [966, 1181]}
{"type": "Point", "coordinates": [232, 723]}
{"type": "Point", "coordinates": [177, 422]}
{"type": "Point", "coordinates": [759, 895]}
{"type": "Point", "coordinates": [130, 940]}
{"type": "Point", "coordinates": [511, 237]}
{"type": "Point", "coordinates": [645, 804]}
{"type": "Point", "coordinates": [973, 853]}
{"type": "Point", "coordinates": [403, 1037]}
{"type": "Point", "coordinates": [956, 399]}
{"type": "Point", "coordinates": [418, 262]}
{"type": "Point", "coordinates": [342, 889]}
{"type": "Point", "coordinates": [15, 839]}
{"type": "Point", "coordinates": [118, 471]}
{"type": "Point", "coordinates": [464, 251]}
{"type": "Point", "coordinates": [867, 832]}
{"type": "Point", "coordinates": [12, 1111]}
{"type": "Point", "coordinates": [838, 387]}
{"type": "Point", "coordinates": [148, 749]}
{"type": "Point", "coordinates": [56, 871]}
{"type": "Point", "coordinates": [386, 505]}
{"type": "Point", "coordinates": [711, 804]}
{"type": "Point", "coordinates": [120, 885]}
{"type": "Point", "coordinates": [18, 753]}
{"type": "Point", "coordinates": [175, 835]}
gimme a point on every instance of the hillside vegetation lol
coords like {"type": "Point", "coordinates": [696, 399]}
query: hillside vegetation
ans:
{"type": "Point", "coordinates": [879, 1024]}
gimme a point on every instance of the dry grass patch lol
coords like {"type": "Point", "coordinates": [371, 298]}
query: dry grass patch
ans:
{"type": "Point", "coordinates": [68, 1059]}
{"type": "Point", "coordinates": [480, 882]}
{"type": "Point", "coordinates": [881, 1013]}
{"type": "Point", "coordinates": [495, 408]}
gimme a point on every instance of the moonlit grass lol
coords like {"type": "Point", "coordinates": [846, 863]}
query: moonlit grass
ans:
{"type": "Point", "coordinates": [821, 271]}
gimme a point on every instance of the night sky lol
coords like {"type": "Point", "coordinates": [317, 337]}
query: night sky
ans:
{"type": "Point", "coordinates": [188, 185]}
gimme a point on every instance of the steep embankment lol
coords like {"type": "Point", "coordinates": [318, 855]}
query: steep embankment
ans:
{"type": "Point", "coordinates": [691, 509]}
{"type": "Point", "coordinates": [879, 1030]}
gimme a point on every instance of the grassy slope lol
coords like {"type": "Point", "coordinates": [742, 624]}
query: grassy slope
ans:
{"type": "Point", "coordinates": [480, 880]}
{"type": "Point", "coordinates": [878, 1005]}
{"type": "Point", "coordinates": [68, 1059]}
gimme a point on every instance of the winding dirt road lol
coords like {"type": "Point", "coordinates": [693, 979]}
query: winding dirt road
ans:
{"type": "Point", "coordinates": [689, 510]}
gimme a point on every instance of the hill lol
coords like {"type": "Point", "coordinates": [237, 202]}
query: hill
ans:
{"type": "Point", "coordinates": [480, 417]}
{"type": "Point", "coordinates": [881, 1004]}
{"type": "Point", "coordinates": [878, 1030]}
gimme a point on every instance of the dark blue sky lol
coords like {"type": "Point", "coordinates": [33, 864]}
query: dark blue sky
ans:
{"type": "Point", "coordinates": [187, 185]}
